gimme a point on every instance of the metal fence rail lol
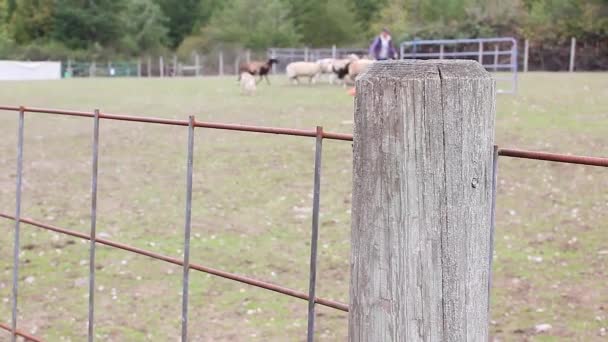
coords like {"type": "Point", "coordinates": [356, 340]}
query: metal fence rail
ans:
{"type": "Point", "coordinates": [495, 54]}
{"type": "Point", "coordinates": [311, 297]}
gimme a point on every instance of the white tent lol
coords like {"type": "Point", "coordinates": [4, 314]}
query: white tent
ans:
{"type": "Point", "coordinates": [18, 70]}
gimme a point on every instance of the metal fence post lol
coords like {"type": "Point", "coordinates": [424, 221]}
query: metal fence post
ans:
{"type": "Point", "coordinates": [139, 67]}
{"type": "Point", "coordinates": [16, 241]}
{"type": "Point", "coordinates": [480, 53]}
{"type": "Point", "coordinates": [314, 239]}
{"type": "Point", "coordinates": [174, 66]}
{"type": "Point", "coordinates": [334, 52]}
{"type": "Point", "coordinates": [492, 221]}
{"type": "Point", "coordinates": [187, 228]}
{"type": "Point", "coordinates": [248, 56]}
{"type": "Point", "coordinates": [572, 53]}
{"type": "Point", "coordinates": [421, 210]}
{"type": "Point", "coordinates": [495, 57]}
{"type": "Point", "coordinates": [161, 65]}
{"type": "Point", "coordinates": [92, 235]}
{"type": "Point", "coordinates": [526, 51]}
{"type": "Point", "coordinates": [514, 65]}
{"type": "Point", "coordinates": [441, 51]}
{"type": "Point", "coordinates": [274, 65]}
{"type": "Point", "coordinates": [221, 63]}
{"type": "Point", "coordinates": [306, 54]}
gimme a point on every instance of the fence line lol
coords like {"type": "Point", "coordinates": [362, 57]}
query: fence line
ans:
{"type": "Point", "coordinates": [318, 134]}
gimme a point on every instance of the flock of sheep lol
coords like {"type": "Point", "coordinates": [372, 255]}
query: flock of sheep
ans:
{"type": "Point", "coordinates": [345, 70]}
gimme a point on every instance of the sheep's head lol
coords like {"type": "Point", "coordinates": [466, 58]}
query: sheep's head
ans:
{"type": "Point", "coordinates": [341, 72]}
{"type": "Point", "coordinates": [272, 61]}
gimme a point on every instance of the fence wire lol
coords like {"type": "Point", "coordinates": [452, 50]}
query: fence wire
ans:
{"type": "Point", "coordinates": [311, 297]}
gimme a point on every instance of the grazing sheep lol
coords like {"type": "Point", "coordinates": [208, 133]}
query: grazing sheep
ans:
{"type": "Point", "coordinates": [258, 68]}
{"type": "Point", "coordinates": [340, 66]}
{"type": "Point", "coordinates": [248, 83]}
{"type": "Point", "coordinates": [327, 68]}
{"type": "Point", "coordinates": [303, 69]}
{"type": "Point", "coordinates": [357, 67]}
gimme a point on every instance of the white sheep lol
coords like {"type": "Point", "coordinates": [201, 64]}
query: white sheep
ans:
{"type": "Point", "coordinates": [327, 68]}
{"type": "Point", "coordinates": [303, 69]}
{"type": "Point", "coordinates": [248, 84]}
{"type": "Point", "coordinates": [357, 67]}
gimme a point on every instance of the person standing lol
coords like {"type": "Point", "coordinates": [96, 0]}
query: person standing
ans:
{"type": "Point", "coordinates": [382, 47]}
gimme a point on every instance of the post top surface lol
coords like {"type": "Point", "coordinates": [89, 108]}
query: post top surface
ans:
{"type": "Point", "coordinates": [412, 69]}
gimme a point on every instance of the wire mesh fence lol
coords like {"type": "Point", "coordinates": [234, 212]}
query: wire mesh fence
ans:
{"type": "Point", "coordinates": [319, 134]}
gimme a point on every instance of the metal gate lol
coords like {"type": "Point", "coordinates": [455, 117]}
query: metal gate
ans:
{"type": "Point", "coordinates": [497, 55]}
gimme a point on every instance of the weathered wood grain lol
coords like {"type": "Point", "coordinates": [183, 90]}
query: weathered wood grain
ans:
{"type": "Point", "coordinates": [423, 140]}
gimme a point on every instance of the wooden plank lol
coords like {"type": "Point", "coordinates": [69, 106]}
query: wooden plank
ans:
{"type": "Point", "coordinates": [423, 147]}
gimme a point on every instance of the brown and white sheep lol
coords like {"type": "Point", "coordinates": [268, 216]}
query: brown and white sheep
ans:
{"type": "Point", "coordinates": [258, 68]}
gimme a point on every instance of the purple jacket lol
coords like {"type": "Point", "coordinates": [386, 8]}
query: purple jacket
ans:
{"type": "Point", "coordinates": [374, 49]}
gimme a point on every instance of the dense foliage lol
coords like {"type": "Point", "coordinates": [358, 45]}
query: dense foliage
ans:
{"type": "Point", "coordinates": [97, 28]}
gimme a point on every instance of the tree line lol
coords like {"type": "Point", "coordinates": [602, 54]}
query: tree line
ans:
{"type": "Point", "coordinates": [41, 29]}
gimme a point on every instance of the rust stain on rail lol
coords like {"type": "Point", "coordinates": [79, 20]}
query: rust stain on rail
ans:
{"type": "Point", "coordinates": [25, 335]}
{"type": "Point", "coordinates": [555, 157]}
{"type": "Point", "coordinates": [203, 124]}
{"type": "Point", "coordinates": [246, 280]}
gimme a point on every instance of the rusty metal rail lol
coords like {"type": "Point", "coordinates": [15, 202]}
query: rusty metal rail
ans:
{"type": "Point", "coordinates": [26, 336]}
{"type": "Point", "coordinates": [318, 134]}
{"type": "Point", "coordinates": [213, 125]}
{"type": "Point", "coordinates": [242, 279]}
{"type": "Point", "coordinates": [554, 157]}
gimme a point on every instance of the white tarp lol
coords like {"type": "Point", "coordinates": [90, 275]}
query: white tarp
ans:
{"type": "Point", "coordinates": [17, 70]}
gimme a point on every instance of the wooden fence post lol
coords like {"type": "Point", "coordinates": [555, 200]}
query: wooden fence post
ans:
{"type": "Point", "coordinates": [139, 67]}
{"type": "Point", "coordinates": [572, 53]}
{"type": "Point", "coordinates": [149, 66]}
{"type": "Point", "coordinates": [422, 194]}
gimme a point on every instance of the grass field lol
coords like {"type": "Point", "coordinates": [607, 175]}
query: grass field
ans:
{"type": "Point", "coordinates": [251, 210]}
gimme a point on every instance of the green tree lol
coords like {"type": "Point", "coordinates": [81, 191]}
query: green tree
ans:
{"type": "Point", "coordinates": [323, 23]}
{"type": "Point", "coordinates": [146, 27]}
{"type": "Point", "coordinates": [368, 12]}
{"type": "Point", "coordinates": [86, 23]}
{"type": "Point", "coordinates": [182, 16]}
{"type": "Point", "coordinates": [255, 24]}
{"type": "Point", "coordinates": [32, 20]}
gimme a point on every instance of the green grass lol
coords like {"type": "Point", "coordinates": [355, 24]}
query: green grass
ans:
{"type": "Point", "coordinates": [252, 197]}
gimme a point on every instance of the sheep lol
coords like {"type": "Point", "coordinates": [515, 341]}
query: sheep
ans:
{"type": "Point", "coordinates": [357, 67]}
{"type": "Point", "coordinates": [327, 68]}
{"type": "Point", "coordinates": [340, 66]}
{"type": "Point", "coordinates": [248, 83]}
{"type": "Point", "coordinates": [258, 68]}
{"type": "Point", "coordinates": [303, 69]}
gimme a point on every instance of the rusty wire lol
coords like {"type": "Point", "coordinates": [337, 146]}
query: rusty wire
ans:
{"type": "Point", "coordinates": [506, 152]}
{"type": "Point", "coordinates": [243, 279]}
{"type": "Point", "coordinates": [26, 336]}
{"type": "Point", "coordinates": [319, 134]}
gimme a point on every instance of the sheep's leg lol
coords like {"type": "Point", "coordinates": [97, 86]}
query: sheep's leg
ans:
{"type": "Point", "coordinates": [267, 80]}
